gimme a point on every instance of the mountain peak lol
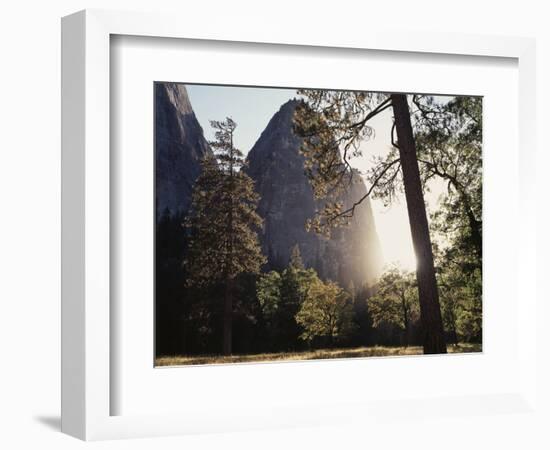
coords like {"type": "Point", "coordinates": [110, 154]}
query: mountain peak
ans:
{"type": "Point", "coordinates": [180, 147]}
{"type": "Point", "coordinates": [278, 137]}
{"type": "Point", "coordinates": [290, 104]}
{"type": "Point", "coordinates": [285, 113]}
{"type": "Point", "coordinates": [177, 95]}
{"type": "Point", "coordinates": [287, 202]}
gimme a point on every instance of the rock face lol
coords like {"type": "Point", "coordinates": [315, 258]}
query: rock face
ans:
{"type": "Point", "coordinates": [352, 254]}
{"type": "Point", "coordinates": [287, 200]}
{"type": "Point", "coordinates": [179, 148]}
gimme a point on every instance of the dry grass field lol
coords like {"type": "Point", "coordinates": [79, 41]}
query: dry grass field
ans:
{"type": "Point", "coordinates": [358, 352]}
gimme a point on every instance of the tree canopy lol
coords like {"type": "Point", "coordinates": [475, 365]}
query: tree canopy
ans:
{"type": "Point", "coordinates": [333, 124]}
{"type": "Point", "coordinates": [223, 221]}
{"type": "Point", "coordinates": [326, 312]}
{"type": "Point", "coordinates": [395, 301]}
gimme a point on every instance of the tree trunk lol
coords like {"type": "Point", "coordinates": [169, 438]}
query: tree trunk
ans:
{"type": "Point", "coordinates": [475, 225]}
{"type": "Point", "coordinates": [228, 303]}
{"type": "Point", "coordinates": [430, 312]}
{"type": "Point", "coordinates": [455, 336]}
{"type": "Point", "coordinates": [453, 329]}
{"type": "Point", "coordinates": [405, 318]}
{"type": "Point", "coordinates": [228, 317]}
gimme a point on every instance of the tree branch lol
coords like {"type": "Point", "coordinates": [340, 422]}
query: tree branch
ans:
{"type": "Point", "coordinates": [349, 212]}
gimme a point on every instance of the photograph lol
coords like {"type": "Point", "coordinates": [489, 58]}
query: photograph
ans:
{"type": "Point", "coordinates": [298, 224]}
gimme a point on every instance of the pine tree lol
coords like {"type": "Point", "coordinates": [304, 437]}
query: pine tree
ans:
{"type": "Point", "coordinates": [296, 258]}
{"type": "Point", "coordinates": [280, 296]}
{"type": "Point", "coordinates": [223, 223]}
{"type": "Point", "coordinates": [333, 124]}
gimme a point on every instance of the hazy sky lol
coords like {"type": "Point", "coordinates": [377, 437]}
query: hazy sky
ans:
{"type": "Point", "coordinates": [252, 108]}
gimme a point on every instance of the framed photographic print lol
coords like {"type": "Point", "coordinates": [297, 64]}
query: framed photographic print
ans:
{"type": "Point", "coordinates": [300, 247]}
{"type": "Point", "coordinates": [270, 244]}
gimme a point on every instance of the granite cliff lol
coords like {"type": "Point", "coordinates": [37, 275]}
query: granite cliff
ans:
{"type": "Point", "coordinates": [275, 164]}
{"type": "Point", "coordinates": [179, 148]}
{"type": "Point", "coordinates": [352, 254]}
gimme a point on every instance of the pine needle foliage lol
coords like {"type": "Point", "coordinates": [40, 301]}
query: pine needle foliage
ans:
{"type": "Point", "coordinates": [223, 222]}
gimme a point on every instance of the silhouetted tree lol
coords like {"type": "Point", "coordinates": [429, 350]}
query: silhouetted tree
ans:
{"type": "Point", "coordinates": [333, 125]}
{"type": "Point", "coordinates": [395, 301]}
{"type": "Point", "coordinates": [223, 223]}
{"type": "Point", "coordinates": [296, 258]}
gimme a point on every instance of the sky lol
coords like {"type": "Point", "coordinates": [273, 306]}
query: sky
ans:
{"type": "Point", "coordinates": [252, 108]}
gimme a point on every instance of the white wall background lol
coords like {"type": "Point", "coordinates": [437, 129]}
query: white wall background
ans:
{"type": "Point", "coordinates": [30, 198]}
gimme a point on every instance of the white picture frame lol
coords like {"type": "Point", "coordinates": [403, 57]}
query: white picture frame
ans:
{"type": "Point", "coordinates": [86, 245]}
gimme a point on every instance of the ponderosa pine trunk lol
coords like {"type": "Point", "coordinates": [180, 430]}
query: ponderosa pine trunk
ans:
{"type": "Point", "coordinates": [430, 311]}
{"type": "Point", "coordinates": [228, 318]}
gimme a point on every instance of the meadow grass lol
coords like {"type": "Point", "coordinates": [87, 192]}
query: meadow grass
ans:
{"type": "Point", "coordinates": [332, 353]}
